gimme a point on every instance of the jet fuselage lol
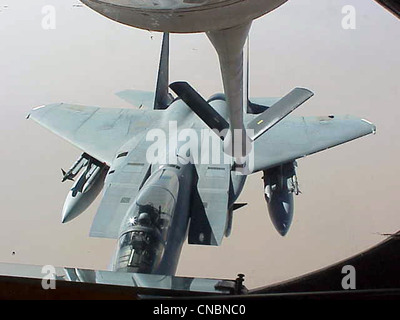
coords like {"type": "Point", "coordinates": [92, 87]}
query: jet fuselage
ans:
{"type": "Point", "coordinates": [156, 224]}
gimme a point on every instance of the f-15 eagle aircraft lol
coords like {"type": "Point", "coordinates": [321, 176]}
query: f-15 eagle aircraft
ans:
{"type": "Point", "coordinates": [160, 184]}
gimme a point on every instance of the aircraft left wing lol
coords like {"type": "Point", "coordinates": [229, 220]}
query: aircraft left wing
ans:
{"type": "Point", "coordinates": [296, 137]}
{"type": "Point", "coordinates": [99, 132]}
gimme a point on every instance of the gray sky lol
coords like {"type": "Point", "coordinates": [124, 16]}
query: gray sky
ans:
{"type": "Point", "coordinates": [349, 192]}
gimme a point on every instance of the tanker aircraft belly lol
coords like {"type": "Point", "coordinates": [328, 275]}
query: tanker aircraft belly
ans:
{"type": "Point", "coordinates": [165, 172]}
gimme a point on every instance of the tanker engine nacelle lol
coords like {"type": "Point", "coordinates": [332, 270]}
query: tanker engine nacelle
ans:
{"type": "Point", "coordinates": [279, 185]}
{"type": "Point", "coordinates": [86, 188]}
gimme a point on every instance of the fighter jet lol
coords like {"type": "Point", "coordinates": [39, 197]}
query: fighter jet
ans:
{"type": "Point", "coordinates": [164, 171]}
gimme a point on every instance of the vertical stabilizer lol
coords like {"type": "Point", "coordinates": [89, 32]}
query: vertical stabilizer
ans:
{"type": "Point", "coordinates": [162, 98]}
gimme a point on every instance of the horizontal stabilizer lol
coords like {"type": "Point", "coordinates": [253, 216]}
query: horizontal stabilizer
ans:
{"type": "Point", "coordinates": [278, 111]}
{"type": "Point", "coordinates": [199, 106]}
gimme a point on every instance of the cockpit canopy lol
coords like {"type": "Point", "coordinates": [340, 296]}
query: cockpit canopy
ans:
{"type": "Point", "coordinates": [153, 209]}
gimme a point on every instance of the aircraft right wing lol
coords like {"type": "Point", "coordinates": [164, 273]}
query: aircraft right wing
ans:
{"type": "Point", "coordinates": [99, 132]}
{"type": "Point", "coordinates": [296, 137]}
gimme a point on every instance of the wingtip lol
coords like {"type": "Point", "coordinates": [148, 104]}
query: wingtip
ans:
{"type": "Point", "coordinates": [39, 107]}
{"type": "Point", "coordinates": [305, 90]}
{"type": "Point", "coordinates": [33, 110]}
{"type": "Point", "coordinates": [373, 126]}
